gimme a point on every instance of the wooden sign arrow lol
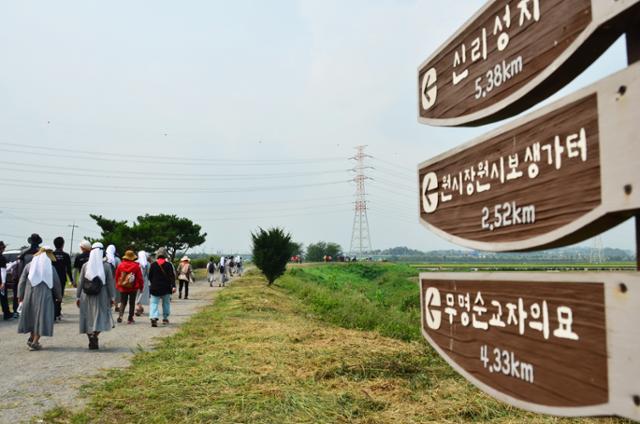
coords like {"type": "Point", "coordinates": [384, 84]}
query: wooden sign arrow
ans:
{"type": "Point", "coordinates": [553, 343]}
{"type": "Point", "coordinates": [552, 178]}
{"type": "Point", "coordinates": [513, 54]}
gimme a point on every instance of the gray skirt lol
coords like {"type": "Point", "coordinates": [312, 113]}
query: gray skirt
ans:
{"type": "Point", "coordinates": [143, 295]}
{"type": "Point", "coordinates": [38, 312]}
{"type": "Point", "coordinates": [95, 312]}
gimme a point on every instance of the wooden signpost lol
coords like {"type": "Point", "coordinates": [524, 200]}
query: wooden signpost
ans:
{"type": "Point", "coordinates": [513, 54]}
{"type": "Point", "coordinates": [555, 343]}
{"type": "Point", "coordinates": [555, 177]}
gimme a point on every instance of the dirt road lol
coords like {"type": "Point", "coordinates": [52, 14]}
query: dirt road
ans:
{"type": "Point", "coordinates": [33, 382]}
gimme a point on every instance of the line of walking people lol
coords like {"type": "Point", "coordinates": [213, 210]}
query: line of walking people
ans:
{"type": "Point", "coordinates": [221, 271]}
{"type": "Point", "coordinates": [103, 282]}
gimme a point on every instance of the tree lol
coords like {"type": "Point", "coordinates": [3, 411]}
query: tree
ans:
{"type": "Point", "coordinates": [271, 252]}
{"type": "Point", "coordinates": [113, 232]}
{"type": "Point", "coordinates": [317, 251]}
{"type": "Point", "coordinates": [297, 249]}
{"type": "Point", "coordinates": [151, 232]}
{"type": "Point", "coordinates": [174, 233]}
{"type": "Point", "coordinates": [333, 250]}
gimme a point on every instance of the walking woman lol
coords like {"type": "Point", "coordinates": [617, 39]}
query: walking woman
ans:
{"type": "Point", "coordinates": [38, 283]}
{"type": "Point", "coordinates": [143, 295]}
{"type": "Point", "coordinates": [95, 295]}
{"type": "Point", "coordinates": [185, 276]}
{"type": "Point", "coordinates": [113, 260]}
{"type": "Point", "coordinates": [128, 281]}
{"type": "Point", "coordinates": [162, 282]}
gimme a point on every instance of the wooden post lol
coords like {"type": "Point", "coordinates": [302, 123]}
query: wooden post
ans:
{"type": "Point", "coordinates": [633, 55]}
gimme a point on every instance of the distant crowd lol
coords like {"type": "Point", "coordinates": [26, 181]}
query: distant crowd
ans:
{"type": "Point", "coordinates": [104, 281]}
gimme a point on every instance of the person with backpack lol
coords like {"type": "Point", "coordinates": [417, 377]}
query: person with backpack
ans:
{"type": "Point", "coordinates": [80, 260]}
{"type": "Point", "coordinates": [211, 271]}
{"type": "Point", "coordinates": [239, 268]}
{"type": "Point", "coordinates": [38, 283]}
{"type": "Point", "coordinates": [95, 295]}
{"type": "Point", "coordinates": [162, 284]}
{"type": "Point", "coordinates": [63, 268]}
{"type": "Point", "coordinates": [129, 280]}
{"type": "Point", "coordinates": [4, 298]}
{"type": "Point", "coordinates": [185, 276]}
{"type": "Point", "coordinates": [143, 295]}
{"type": "Point", "coordinates": [223, 271]}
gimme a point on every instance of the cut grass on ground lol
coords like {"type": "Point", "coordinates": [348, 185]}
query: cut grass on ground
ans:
{"type": "Point", "coordinates": [258, 355]}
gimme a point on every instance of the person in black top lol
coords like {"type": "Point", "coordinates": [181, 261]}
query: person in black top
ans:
{"type": "Point", "coordinates": [81, 259]}
{"type": "Point", "coordinates": [24, 259]}
{"type": "Point", "coordinates": [62, 266]}
{"type": "Point", "coordinates": [162, 284]}
{"type": "Point", "coordinates": [6, 313]}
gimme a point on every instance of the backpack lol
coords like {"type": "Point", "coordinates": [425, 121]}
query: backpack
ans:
{"type": "Point", "coordinates": [127, 280]}
{"type": "Point", "coordinates": [211, 268]}
{"type": "Point", "coordinates": [91, 287]}
{"type": "Point", "coordinates": [13, 273]}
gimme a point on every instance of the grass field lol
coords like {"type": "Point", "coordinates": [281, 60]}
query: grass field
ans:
{"type": "Point", "coordinates": [274, 355]}
{"type": "Point", "coordinates": [549, 266]}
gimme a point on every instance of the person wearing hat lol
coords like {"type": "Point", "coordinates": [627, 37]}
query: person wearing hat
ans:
{"type": "Point", "coordinates": [4, 298]}
{"type": "Point", "coordinates": [95, 309]}
{"type": "Point", "coordinates": [81, 259]}
{"type": "Point", "coordinates": [38, 282]}
{"type": "Point", "coordinates": [162, 283]}
{"type": "Point", "coordinates": [24, 258]}
{"type": "Point", "coordinates": [129, 280]}
{"type": "Point", "coordinates": [185, 276]}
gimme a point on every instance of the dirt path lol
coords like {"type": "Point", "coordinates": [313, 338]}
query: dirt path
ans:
{"type": "Point", "coordinates": [33, 382]}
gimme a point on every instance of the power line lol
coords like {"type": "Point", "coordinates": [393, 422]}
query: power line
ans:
{"type": "Point", "coordinates": [152, 190]}
{"type": "Point", "coordinates": [118, 157]}
{"type": "Point", "coordinates": [397, 173]}
{"type": "Point", "coordinates": [114, 174]}
{"type": "Point", "coordinates": [65, 205]}
{"type": "Point", "coordinates": [65, 216]}
{"type": "Point", "coordinates": [395, 165]}
{"type": "Point", "coordinates": [396, 185]}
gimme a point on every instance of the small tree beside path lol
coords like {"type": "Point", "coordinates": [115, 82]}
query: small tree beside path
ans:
{"type": "Point", "coordinates": [271, 252]}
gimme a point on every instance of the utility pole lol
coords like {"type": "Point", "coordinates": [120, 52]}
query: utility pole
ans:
{"type": "Point", "coordinates": [360, 238]}
{"type": "Point", "coordinates": [73, 229]}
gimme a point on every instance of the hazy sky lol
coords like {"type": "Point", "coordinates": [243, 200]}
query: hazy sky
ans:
{"type": "Point", "coordinates": [234, 114]}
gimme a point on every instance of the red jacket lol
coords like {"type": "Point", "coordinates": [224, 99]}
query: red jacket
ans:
{"type": "Point", "coordinates": [129, 266]}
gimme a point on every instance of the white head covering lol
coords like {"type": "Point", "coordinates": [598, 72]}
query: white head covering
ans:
{"type": "Point", "coordinates": [95, 265]}
{"type": "Point", "coordinates": [84, 244]}
{"type": "Point", "coordinates": [143, 260]}
{"type": "Point", "coordinates": [41, 269]}
{"type": "Point", "coordinates": [111, 254]}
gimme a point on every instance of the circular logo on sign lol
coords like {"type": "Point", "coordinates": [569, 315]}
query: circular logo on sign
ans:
{"type": "Point", "coordinates": [429, 88]}
{"type": "Point", "coordinates": [432, 300]}
{"type": "Point", "coordinates": [429, 198]}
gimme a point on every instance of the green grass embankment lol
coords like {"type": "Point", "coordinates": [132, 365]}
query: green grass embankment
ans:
{"type": "Point", "coordinates": [261, 355]}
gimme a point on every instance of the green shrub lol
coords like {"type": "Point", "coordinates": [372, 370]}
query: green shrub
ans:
{"type": "Point", "coordinates": [271, 252]}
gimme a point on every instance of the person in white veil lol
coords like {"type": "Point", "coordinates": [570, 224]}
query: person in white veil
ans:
{"type": "Point", "coordinates": [95, 309]}
{"type": "Point", "coordinates": [38, 283]}
{"type": "Point", "coordinates": [143, 295]}
{"type": "Point", "coordinates": [113, 260]}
